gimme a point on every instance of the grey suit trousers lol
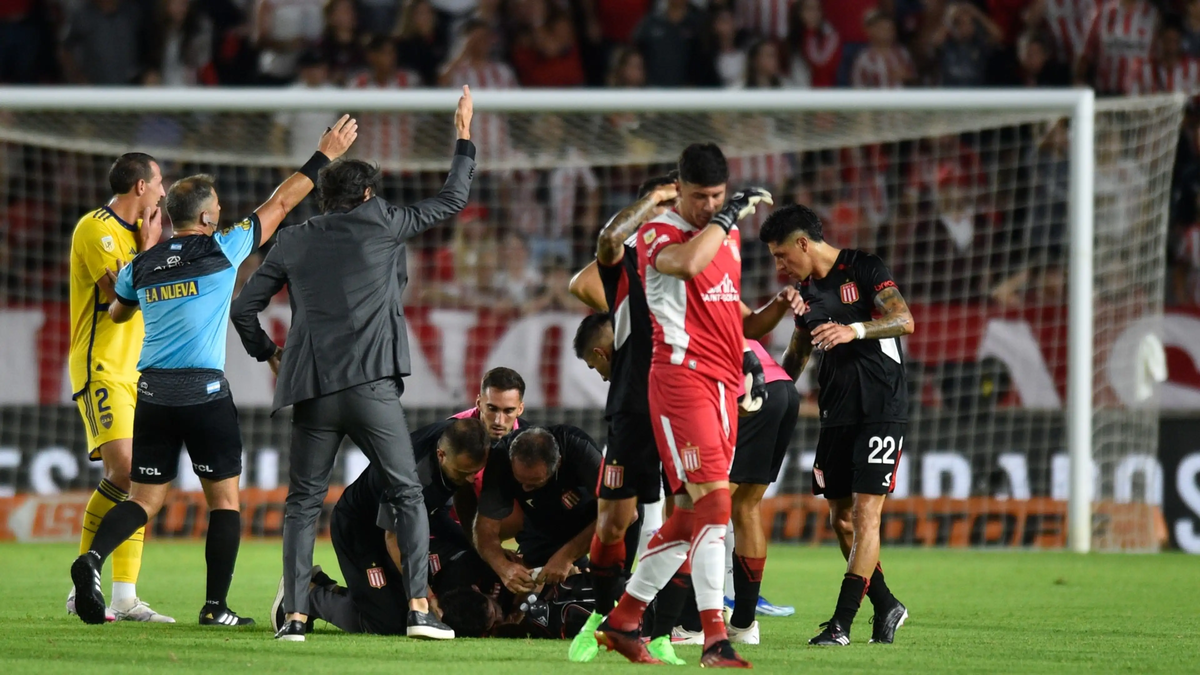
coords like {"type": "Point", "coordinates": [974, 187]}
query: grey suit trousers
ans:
{"type": "Point", "coordinates": [371, 415]}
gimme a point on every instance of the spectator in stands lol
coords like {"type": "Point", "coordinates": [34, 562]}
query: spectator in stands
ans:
{"type": "Point", "coordinates": [474, 66]}
{"type": "Point", "coordinates": [385, 137]}
{"type": "Point", "coordinates": [418, 47]}
{"type": "Point", "coordinates": [181, 45]}
{"type": "Point", "coordinates": [628, 70]}
{"type": "Point", "coordinates": [1037, 66]}
{"type": "Point", "coordinates": [341, 44]}
{"type": "Point", "coordinates": [883, 64]}
{"type": "Point", "coordinates": [554, 295]}
{"type": "Point", "coordinates": [1120, 37]}
{"type": "Point", "coordinates": [1066, 22]}
{"type": "Point", "coordinates": [1171, 69]}
{"type": "Point", "coordinates": [20, 41]}
{"type": "Point", "coordinates": [545, 50]}
{"type": "Point", "coordinates": [294, 130]}
{"type": "Point", "coordinates": [950, 256]}
{"type": "Point", "coordinates": [762, 66]}
{"type": "Point", "coordinates": [517, 280]}
{"type": "Point", "coordinates": [283, 29]}
{"type": "Point", "coordinates": [814, 46]}
{"type": "Point", "coordinates": [729, 59]}
{"type": "Point", "coordinates": [1191, 28]}
{"type": "Point", "coordinates": [102, 43]}
{"type": "Point", "coordinates": [465, 267]}
{"type": "Point", "coordinates": [671, 45]}
{"type": "Point", "coordinates": [963, 44]}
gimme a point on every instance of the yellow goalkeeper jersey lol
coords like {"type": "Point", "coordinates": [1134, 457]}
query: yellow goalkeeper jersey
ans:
{"type": "Point", "coordinates": [100, 349]}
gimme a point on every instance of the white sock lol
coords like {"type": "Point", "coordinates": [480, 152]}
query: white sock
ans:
{"type": "Point", "coordinates": [655, 569]}
{"type": "Point", "coordinates": [652, 520]}
{"type": "Point", "coordinates": [707, 567]}
{"type": "Point", "coordinates": [729, 542]}
{"type": "Point", "coordinates": [122, 591]}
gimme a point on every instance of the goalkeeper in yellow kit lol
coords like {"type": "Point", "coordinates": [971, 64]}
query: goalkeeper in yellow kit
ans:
{"type": "Point", "coordinates": [104, 357]}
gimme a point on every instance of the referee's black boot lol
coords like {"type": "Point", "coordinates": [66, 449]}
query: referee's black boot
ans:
{"type": "Point", "coordinates": [291, 631]}
{"type": "Point", "coordinates": [885, 623]}
{"type": "Point", "coordinates": [220, 615]}
{"type": "Point", "coordinates": [835, 634]}
{"type": "Point", "coordinates": [89, 598]}
{"type": "Point", "coordinates": [426, 626]}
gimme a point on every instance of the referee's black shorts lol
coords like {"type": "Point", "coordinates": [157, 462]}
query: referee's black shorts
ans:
{"type": "Point", "coordinates": [763, 438]}
{"type": "Point", "coordinates": [210, 430]}
{"type": "Point", "coordinates": [631, 465]}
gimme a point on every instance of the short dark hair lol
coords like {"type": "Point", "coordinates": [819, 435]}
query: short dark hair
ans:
{"type": "Point", "coordinates": [342, 183]}
{"type": "Point", "coordinates": [468, 437]}
{"type": "Point", "coordinates": [589, 331]}
{"type": "Point", "coordinates": [503, 379]}
{"type": "Point", "coordinates": [534, 446]}
{"type": "Point", "coordinates": [466, 611]}
{"type": "Point", "coordinates": [187, 197]}
{"type": "Point", "coordinates": [787, 220]}
{"type": "Point", "coordinates": [128, 169]}
{"type": "Point", "coordinates": [650, 184]}
{"type": "Point", "coordinates": [703, 164]}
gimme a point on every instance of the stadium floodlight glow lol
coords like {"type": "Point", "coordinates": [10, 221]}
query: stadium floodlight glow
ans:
{"type": "Point", "coordinates": [861, 118]}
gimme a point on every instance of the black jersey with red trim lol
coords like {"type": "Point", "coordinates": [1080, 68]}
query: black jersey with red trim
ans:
{"type": "Point", "coordinates": [861, 381]}
{"type": "Point", "coordinates": [632, 334]}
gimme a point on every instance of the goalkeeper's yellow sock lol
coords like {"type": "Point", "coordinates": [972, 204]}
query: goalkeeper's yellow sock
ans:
{"type": "Point", "coordinates": [127, 558]}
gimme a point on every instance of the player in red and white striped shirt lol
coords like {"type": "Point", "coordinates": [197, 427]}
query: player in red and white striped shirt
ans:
{"type": "Point", "coordinates": [1171, 71]}
{"type": "Point", "coordinates": [474, 67]}
{"type": "Point", "coordinates": [763, 18]}
{"type": "Point", "coordinates": [814, 43]}
{"type": "Point", "coordinates": [1068, 22]}
{"type": "Point", "coordinates": [1120, 38]}
{"type": "Point", "coordinates": [387, 138]}
{"type": "Point", "coordinates": [883, 64]}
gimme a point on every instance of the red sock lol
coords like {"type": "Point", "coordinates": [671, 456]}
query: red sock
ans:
{"type": "Point", "coordinates": [627, 615]}
{"type": "Point", "coordinates": [607, 555]}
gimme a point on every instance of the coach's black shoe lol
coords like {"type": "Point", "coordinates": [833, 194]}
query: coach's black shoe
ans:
{"type": "Point", "coordinates": [89, 598]}
{"type": "Point", "coordinates": [291, 631]}
{"type": "Point", "coordinates": [214, 615]}
{"type": "Point", "coordinates": [722, 655]}
{"type": "Point", "coordinates": [884, 624]}
{"type": "Point", "coordinates": [833, 635]}
{"type": "Point", "coordinates": [425, 625]}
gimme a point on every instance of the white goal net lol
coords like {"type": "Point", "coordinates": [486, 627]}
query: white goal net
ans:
{"type": "Point", "coordinates": [968, 207]}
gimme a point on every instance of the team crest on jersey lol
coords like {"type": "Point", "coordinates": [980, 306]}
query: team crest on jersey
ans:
{"type": "Point", "coordinates": [107, 242]}
{"type": "Point", "coordinates": [106, 420]}
{"type": "Point", "coordinates": [614, 476]}
{"type": "Point", "coordinates": [435, 563]}
{"type": "Point", "coordinates": [570, 498]}
{"type": "Point", "coordinates": [690, 457]}
{"type": "Point", "coordinates": [849, 293]}
{"type": "Point", "coordinates": [733, 248]}
{"type": "Point", "coordinates": [376, 577]}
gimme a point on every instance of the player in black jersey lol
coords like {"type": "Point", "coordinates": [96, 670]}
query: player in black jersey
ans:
{"type": "Point", "coordinates": [448, 454]}
{"type": "Point", "coordinates": [863, 399]}
{"type": "Point", "coordinates": [554, 611]}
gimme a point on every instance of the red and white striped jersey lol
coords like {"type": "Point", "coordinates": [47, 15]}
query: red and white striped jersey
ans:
{"type": "Point", "coordinates": [823, 52]}
{"type": "Point", "coordinates": [1149, 77]}
{"type": "Point", "coordinates": [764, 18]}
{"type": "Point", "coordinates": [381, 136]}
{"type": "Point", "coordinates": [881, 68]}
{"type": "Point", "coordinates": [766, 171]}
{"type": "Point", "coordinates": [698, 322]}
{"type": "Point", "coordinates": [489, 131]}
{"type": "Point", "coordinates": [1069, 22]}
{"type": "Point", "coordinates": [555, 213]}
{"type": "Point", "coordinates": [1119, 39]}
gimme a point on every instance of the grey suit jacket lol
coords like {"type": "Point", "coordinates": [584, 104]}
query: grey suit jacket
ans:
{"type": "Point", "coordinates": [346, 274]}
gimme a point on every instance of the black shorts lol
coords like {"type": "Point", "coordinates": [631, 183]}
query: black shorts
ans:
{"type": "Point", "coordinates": [763, 438]}
{"type": "Point", "coordinates": [210, 431]}
{"type": "Point", "coordinates": [631, 465]}
{"type": "Point", "coordinates": [858, 459]}
{"type": "Point", "coordinates": [373, 582]}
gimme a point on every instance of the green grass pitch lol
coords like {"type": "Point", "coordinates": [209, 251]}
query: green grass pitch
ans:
{"type": "Point", "coordinates": [971, 612]}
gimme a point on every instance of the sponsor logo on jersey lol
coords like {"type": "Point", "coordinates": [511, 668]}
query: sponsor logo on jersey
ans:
{"type": "Point", "coordinates": [177, 246]}
{"type": "Point", "coordinates": [649, 236]}
{"type": "Point", "coordinates": [690, 457]}
{"type": "Point", "coordinates": [435, 563]}
{"type": "Point", "coordinates": [376, 577]}
{"type": "Point", "coordinates": [887, 284]}
{"type": "Point", "coordinates": [726, 291]}
{"type": "Point", "coordinates": [849, 292]}
{"type": "Point", "coordinates": [245, 224]}
{"type": "Point", "coordinates": [107, 242]}
{"type": "Point", "coordinates": [201, 468]}
{"type": "Point", "coordinates": [570, 498]}
{"type": "Point", "coordinates": [181, 289]}
{"type": "Point", "coordinates": [614, 476]}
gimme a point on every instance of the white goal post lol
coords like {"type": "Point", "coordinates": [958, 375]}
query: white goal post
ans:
{"type": "Point", "coordinates": [1077, 105]}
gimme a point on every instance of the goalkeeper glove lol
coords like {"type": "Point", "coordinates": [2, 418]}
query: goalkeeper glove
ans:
{"type": "Point", "coordinates": [756, 383]}
{"type": "Point", "coordinates": [740, 205]}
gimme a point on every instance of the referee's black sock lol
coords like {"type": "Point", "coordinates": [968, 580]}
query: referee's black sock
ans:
{"type": "Point", "coordinates": [854, 588]}
{"type": "Point", "coordinates": [878, 591]}
{"type": "Point", "coordinates": [668, 605]}
{"type": "Point", "coordinates": [118, 524]}
{"type": "Point", "coordinates": [220, 553]}
{"type": "Point", "coordinates": [747, 584]}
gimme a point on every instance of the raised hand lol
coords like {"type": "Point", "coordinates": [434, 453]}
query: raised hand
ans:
{"type": "Point", "coordinates": [338, 138]}
{"type": "Point", "coordinates": [464, 113]}
{"type": "Point", "coordinates": [740, 205]}
{"type": "Point", "coordinates": [151, 230]}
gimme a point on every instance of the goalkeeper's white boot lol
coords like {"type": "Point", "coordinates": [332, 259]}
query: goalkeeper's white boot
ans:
{"type": "Point", "coordinates": [134, 609]}
{"type": "Point", "coordinates": [108, 613]}
{"type": "Point", "coordinates": [745, 636]}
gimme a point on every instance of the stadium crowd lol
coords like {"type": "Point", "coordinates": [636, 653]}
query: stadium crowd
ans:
{"type": "Point", "coordinates": [915, 202]}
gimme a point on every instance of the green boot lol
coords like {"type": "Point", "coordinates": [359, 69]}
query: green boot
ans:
{"type": "Point", "coordinates": [584, 647]}
{"type": "Point", "coordinates": [662, 649]}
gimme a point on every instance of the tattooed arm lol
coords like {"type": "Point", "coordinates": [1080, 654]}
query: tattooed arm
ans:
{"type": "Point", "coordinates": [896, 321]}
{"type": "Point", "coordinates": [610, 246]}
{"type": "Point", "coordinates": [797, 353]}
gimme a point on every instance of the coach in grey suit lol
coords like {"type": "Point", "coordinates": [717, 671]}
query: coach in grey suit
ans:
{"type": "Point", "coordinates": [346, 352]}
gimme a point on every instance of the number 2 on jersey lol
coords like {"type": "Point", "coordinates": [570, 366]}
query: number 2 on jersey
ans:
{"type": "Point", "coordinates": [885, 444]}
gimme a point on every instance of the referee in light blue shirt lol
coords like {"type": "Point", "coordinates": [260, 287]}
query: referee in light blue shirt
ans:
{"type": "Point", "coordinates": [183, 287]}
